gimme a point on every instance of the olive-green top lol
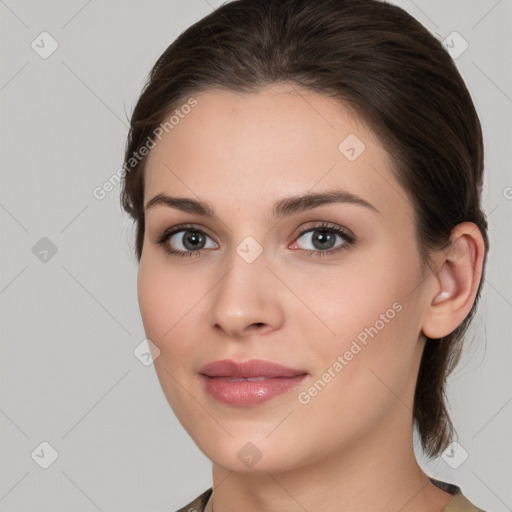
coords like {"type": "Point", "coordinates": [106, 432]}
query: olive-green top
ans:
{"type": "Point", "coordinates": [459, 503]}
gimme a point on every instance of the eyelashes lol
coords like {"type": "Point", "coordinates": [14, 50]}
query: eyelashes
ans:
{"type": "Point", "coordinates": [328, 232]}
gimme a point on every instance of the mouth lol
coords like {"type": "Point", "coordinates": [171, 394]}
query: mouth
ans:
{"type": "Point", "coordinates": [254, 368]}
{"type": "Point", "coordinates": [248, 383]}
{"type": "Point", "coordinates": [248, 379]}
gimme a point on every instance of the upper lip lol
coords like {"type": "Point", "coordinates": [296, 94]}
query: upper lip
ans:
{"type": "Point", "coordinates": [247, 369]}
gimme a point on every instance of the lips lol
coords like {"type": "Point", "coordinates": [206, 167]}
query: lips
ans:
{"type": "Point", "coordinates": [250, 383]}
{"type": "Point", "coordinates": [255, 369]}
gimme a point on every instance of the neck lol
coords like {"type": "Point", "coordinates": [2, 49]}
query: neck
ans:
{"type": "Point", "coordinates": [378, 472]}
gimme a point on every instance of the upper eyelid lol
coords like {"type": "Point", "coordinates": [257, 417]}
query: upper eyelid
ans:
{"type": "Point", "coordinates": [187, 227]}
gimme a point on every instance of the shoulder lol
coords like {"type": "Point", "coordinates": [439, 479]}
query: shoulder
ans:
{"type": "Point", "coordinates": [459, 502]}
{"type": "Point", "coordinates": [198, 504]}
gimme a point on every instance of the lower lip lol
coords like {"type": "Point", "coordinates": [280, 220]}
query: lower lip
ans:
{"type": "Point", "coordinates": [247, 393]}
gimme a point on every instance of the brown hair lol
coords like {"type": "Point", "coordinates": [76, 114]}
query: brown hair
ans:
{"type": "Point", "coordinates": [377, 60]}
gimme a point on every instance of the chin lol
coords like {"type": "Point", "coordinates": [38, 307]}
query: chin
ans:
{"type": "Point", "coordinates": [254, 454]}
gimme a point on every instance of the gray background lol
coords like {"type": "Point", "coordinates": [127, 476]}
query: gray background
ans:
{"type": "Point", "coordinates": [70, 324]}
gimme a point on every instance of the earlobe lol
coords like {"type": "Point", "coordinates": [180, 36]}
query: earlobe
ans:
{"type": "Point", "coordinates": [457, 280]}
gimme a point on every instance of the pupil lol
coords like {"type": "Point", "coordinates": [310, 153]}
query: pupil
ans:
{"type": "Point", "coordinates": [323, 238]}
{"type": "Point", "coordinates": [191, 240]}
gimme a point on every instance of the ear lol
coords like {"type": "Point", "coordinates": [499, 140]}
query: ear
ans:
{"type": "Point", "coordinates": [458, 274]}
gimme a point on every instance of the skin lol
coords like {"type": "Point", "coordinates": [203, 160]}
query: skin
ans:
{"type": "Point", "coordinates": [350, 448]}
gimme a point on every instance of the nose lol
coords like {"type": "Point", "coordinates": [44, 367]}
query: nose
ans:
{"type": "Point", "coordinates": [246, 300]}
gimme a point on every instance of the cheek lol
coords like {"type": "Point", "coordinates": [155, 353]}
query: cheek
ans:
{"type": "Point", "coordinates": [164, 299]}
{"type": "Point", "coordinates": [166, 305]}
{"type": "Point", "coordinates": [154, 300]}
{"type": "Point", "coordinates": [352, 299]}
{"type": "Point", "coordinates": [374, 319]}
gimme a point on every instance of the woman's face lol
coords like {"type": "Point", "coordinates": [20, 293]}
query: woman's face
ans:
{"type": "Point", "coordinates": [272, 280]}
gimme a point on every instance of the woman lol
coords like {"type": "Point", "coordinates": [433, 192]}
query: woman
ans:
{"type": "Point", "coordinates": [305, 179]}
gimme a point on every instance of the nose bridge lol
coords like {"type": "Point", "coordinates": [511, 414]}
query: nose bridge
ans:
{"type": "Point", "coordinates": [243, 298]}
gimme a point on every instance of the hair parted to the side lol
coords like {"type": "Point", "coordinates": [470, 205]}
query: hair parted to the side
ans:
{"type": "Point", "coordinates": [377, 60]}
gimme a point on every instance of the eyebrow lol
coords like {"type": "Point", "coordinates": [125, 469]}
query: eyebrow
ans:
{"type": "Point", "coordinates": [281, 208]}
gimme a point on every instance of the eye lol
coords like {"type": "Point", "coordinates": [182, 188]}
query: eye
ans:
{"type": "Point", "coordinates": [324, 239]}
{"type": "Point", "coordinates": [185, 241]}
{"type": "Point", "coordinates": [320, 240]}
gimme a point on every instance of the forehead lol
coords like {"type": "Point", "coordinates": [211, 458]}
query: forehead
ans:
{"type": "Point", "coordinates": [255, 147]}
